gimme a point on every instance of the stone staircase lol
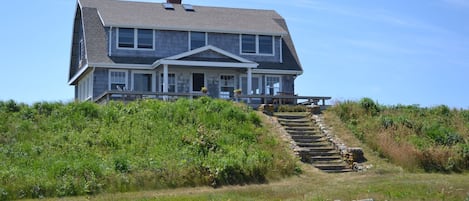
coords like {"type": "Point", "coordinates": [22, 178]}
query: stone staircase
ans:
{"type": "Point", "coordinates": [313, 146]}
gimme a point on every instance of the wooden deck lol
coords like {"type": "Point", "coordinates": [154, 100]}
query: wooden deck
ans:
{"type": "Point", "coordinates": [257, 99]}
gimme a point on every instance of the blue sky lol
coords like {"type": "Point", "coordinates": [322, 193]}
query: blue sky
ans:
{"type": "Point", "coordinates": [395, 52]}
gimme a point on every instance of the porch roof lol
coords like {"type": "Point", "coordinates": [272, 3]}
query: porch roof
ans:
{"type": "Point", "coordinates": [222, 58]}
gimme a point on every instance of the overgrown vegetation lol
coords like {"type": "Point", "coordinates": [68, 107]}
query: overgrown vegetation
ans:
{"type": "Point", "coordinates": [433, 139]}
{"type": "Point", "coordinates": [57, 149]}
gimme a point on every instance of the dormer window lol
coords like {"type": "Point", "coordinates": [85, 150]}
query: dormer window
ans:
{"type": "Point", "coordinates": [257, 44]}
{"type": "Point", "coordinates": [135, 38]}
{"type": "Point", "coordinates": [126, 38]}
{"type": "Point", "coordinates": [197, 39]}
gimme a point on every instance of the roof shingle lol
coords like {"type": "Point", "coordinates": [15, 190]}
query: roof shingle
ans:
{"type": "Point", "coordinates": [203, 18]}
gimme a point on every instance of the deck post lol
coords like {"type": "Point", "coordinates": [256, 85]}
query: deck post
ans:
{"type": "Point", "coordinates": [165, 80]}
{"type": "Point", "coordinates": [249, 86]}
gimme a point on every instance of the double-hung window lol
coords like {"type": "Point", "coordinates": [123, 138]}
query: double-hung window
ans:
{"type": "Point", "coordinates": [197, 39]}
{"type": "Point", "coordinates": [257, 44]}
{"type": "Point", "coordinates": [145, 38]}
{"type": "Point", "coordinates": [126, 38]}
{"type": "Point", "coordinates": [171, 82]}
{"type": "Point", "coordinates": [248, 44]}
{"type": "Point", "coordinates": [135, 38]}
{"type": "Point", "coordinates": [117, 80]}
{"type": "Point", "coordinates": [272, 86]}
{"type": "Point", "coordinates": [266, 45]}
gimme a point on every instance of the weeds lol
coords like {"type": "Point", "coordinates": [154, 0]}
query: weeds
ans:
{"type": "Point", "coordinates": [433, 139]}
{"type": "Point", "coordinates": [56, 149]}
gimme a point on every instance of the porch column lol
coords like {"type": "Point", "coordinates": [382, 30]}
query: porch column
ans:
{"type": "Point", "coordinates": [249, 85]}
{"type": "Point", "coordinates": [165, 78]}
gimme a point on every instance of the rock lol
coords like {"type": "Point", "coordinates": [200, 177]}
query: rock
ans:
{"type": "Point", "coordinates": [357, 154]}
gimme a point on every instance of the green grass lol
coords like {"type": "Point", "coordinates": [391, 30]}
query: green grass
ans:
{"type": "Point", "coordinates": [380, 183]}
{"type": "Point", "coordinates": [56, 149]}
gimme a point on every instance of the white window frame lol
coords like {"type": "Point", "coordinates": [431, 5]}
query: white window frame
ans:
{"type": "Point", "coordinates": [220, 84]}
{"type": "Point", "coordinates": [279, 81]}
{"type": "Point", "coordinates": [153, 78]}
{"type": "Point", "coordinates": [160, 86]}
{"type": "Point", "coordinates": [257, 45]}
{"type": "Point", "coordinates": [126, 79]}
{"type": "Point", "coordinates": [259, 78]}
{"type": "Point", "coordinates": [85, 88]}
{"type": "Point", "coordinates": [190, 38]}
{"type": "Point", "coordinates": [135, 40]}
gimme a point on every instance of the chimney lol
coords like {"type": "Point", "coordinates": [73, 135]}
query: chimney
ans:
{"type": "Point", "coordinates": [174, 1]}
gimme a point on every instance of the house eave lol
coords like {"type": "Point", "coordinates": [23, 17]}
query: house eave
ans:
{"type": "Point", "coordinates": [77, 75]}
{"type": "Point", "coordinates": [271, 71]}
{"type": "Point", "coordinates": [226, 31]}
{"type": "Point", "coordinates": [204, 64]}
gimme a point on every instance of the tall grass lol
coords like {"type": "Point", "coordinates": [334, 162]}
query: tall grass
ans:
{"type": "Point", "coordinates": [432, 139]}
{"type": "Point", "coordinates": [57, 149]}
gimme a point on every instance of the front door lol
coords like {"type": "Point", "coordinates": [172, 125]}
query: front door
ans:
{"type": "Point", "coordinates": [198, 81]}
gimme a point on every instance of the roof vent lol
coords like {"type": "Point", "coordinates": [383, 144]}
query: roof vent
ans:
{"type": "Point", "coordinates": [168, 6]}
{"type": "Point", "coordinates": [188, 7]}
{"type": "Point", "coordinates": [174, 1]}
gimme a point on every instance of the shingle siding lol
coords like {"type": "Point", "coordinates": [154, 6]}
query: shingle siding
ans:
{"type": "Point", "coordinates": [170, 43]}
{"type": "Point", "coordinates": [100, 81]}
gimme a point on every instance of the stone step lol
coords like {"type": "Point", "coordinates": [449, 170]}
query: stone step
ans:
{"type": "Point", "coordinates": [291, 116]}
{"type": "Point", "coordinates": [312, 144]}
{"type": "Point", "coordinates": [329, 162]}
{"type": "Point", "coordinates": [296, 128]}
{"type": "Point", "coordinates": [296, 124]}
{"type": "Point", "coordinates": [322, 149]}
{"type": "Point", "coordinates": [294, 132]}
{"type": "Point", "coordinates": [326, 158]}
{"type": "Point", "coordinates": [294, 120]}
{"type": "Point", "coordinates": [338, 171]}
{"type": "Point", "coordinates": [318, 140]}
{"type": "Point", "coordinates": [330, 166]}
{"type": "Point", "coordinates": [312, 137]}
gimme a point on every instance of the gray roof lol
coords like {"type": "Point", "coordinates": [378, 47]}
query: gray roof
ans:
{"type": "Point", "coordinates": [96, 12]}
{"type": "Point", "coordinates": [203, 18]}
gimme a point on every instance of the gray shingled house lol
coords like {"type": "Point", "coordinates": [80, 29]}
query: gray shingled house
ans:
{"type": "Point", "coordinates": [173, 48]}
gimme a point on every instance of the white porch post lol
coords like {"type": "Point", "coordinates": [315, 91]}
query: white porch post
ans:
{"type": "Point", "coordinates": [165, 78]}
{"type": "Point", "coordinates": [249, 86]}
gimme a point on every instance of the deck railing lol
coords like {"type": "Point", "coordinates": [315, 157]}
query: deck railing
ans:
{"type": "Point", "coordinates": [280, 99]}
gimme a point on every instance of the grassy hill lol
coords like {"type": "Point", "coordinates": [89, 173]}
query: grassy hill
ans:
{"type": "Point", "coordinates": [432, 139]}
{"type": "Point", "coordinates": [56, 149]}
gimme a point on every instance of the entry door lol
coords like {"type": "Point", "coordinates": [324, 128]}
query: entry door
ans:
{"type": "Point", "coordinates": [198, 81]}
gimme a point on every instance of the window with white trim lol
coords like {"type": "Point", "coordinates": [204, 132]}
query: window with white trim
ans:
{"type": "Point", "coordinates": [272, 85]}
{"type": "Point", "coordinates": [266, 44]}
{"type": "Point", "coordinates": [145, 38]}
{"type": "Point", "coordinates": [257, 44]}
{"type": "Point", "coordinates": [135, 38]}
{"type": "Point", "coordinates": [248, 44]}
{"type": "Point", "coordinates": [197, 39]}
{"type": "Point", "coordinates": [85, 88]}
{"type": "Point", "coordinates": [117, 80]}
{"type": "Point", "coordinates": [171, 82]}
{"type": "Point", "coordinates": [227, 86]}
{"type": "Point", "coordinates": [126, 38]}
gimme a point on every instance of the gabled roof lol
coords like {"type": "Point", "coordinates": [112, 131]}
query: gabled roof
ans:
{"type": "Point", "coordinates": [209, 48]}
{"type": "Point", "coordinates": [228, 20]}
{"type": "Point", "coordinates": [220, 58]}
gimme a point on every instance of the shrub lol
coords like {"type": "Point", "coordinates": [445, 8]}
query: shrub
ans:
{"type": "Point", "coordinates": [369, 106]}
